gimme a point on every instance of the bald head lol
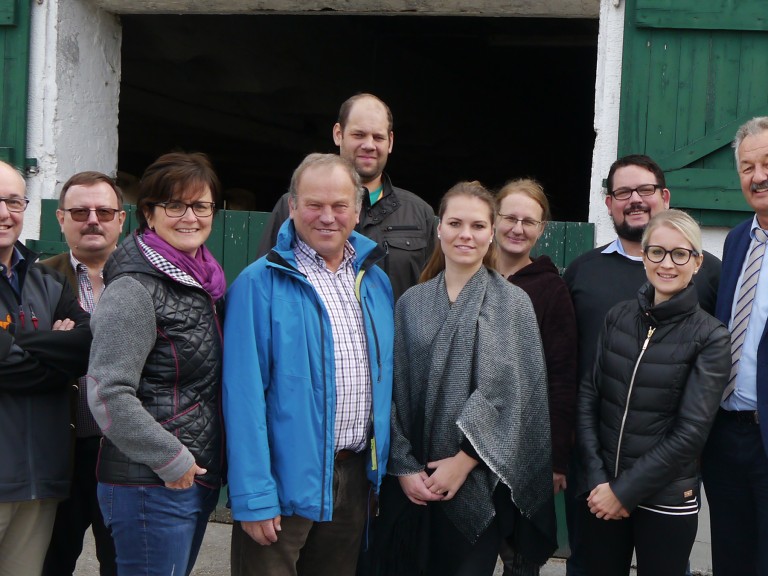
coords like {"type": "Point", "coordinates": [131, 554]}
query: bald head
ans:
{"type": "Point", "coordinates": [12, 188]}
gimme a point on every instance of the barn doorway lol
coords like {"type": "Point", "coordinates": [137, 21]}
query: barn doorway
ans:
{"type": "Point", "coordinates": [485, 98]}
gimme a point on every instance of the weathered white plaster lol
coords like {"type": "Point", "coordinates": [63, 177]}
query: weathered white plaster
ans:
{"type": "Point", "coordinates": [607, 100]}
{"type": "Point", "coordinates": [531, 8]}
{"type": "Point", "coordinates": [73, 97]}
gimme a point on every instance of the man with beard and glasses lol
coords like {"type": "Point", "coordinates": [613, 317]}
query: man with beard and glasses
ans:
{"type": "Point", "coordinates": [91, 217]}
{"type": "Point", "coordinates": [735, 459]}
{"type": "Point", "coordinates": [601, 278]}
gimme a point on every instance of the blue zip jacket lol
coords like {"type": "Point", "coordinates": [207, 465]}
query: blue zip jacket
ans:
{"type": "Point", "coordinates": [280, 383]}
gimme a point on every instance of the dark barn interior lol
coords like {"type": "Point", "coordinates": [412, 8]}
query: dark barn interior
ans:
{"type": "Point", "coordinates": [484, 99]}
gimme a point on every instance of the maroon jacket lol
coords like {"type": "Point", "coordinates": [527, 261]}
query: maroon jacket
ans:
{"type": "Point", "coordinates": [557, 324]}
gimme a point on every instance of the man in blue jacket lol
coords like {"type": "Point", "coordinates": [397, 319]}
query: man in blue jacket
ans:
{"type": "Point", "coordinates": [735, 460]}
{"type": "Point", "coordinates": [308, 383]}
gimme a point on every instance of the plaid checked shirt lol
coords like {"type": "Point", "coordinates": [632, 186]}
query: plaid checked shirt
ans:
{"type": "Point", "coordinates": [350, 349]}
{"type": "Point", "coordinates": [85, 424]}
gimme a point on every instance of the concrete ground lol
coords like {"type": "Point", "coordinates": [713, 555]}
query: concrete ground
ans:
{"type": "Point", "coordinates": [214, 555]}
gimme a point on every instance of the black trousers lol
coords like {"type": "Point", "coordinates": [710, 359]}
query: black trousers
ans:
{"type": "Point", "coordinates": [662, 543]}
{"type": "Point", "coordinates": [735, 471]}
{"type": "Point", "coordinates": [76, 514]}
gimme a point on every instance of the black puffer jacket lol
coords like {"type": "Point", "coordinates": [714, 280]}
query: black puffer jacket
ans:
{"type": "Point", "coordinates": [644, 416]}
{"type": "Point", "coordinates": [180, 382]}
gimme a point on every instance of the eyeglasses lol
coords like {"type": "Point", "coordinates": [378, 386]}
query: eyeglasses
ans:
{"type": "Point", "coordinates": [15, 204]}
{"type": "Point", "coordinates": [680, 256]}
{"type": "Point", "coordinates": [642, 190]}
{"type": "Point", "coordinates": [176, 209]}
{"type": "Point", "coordinates": [82, 214]}
{"type": "Point", "coordinates": [527, 223]}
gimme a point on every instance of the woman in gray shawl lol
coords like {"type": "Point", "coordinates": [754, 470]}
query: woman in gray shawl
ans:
{"type": "Point", "coordinates": [470, 424]}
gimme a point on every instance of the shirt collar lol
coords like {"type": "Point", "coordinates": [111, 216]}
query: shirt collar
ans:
{"type": "Point", "coordinates": [755, 226]}
{"type": "Point", "coordinates": [618, 247]}
{"type": "Point", "coordinates": [311, 253]}
{"type": "Point", "coordinates": [16, 258]}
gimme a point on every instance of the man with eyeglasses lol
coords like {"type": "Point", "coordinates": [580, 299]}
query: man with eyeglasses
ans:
{"type": "Point", "coordinates": [91, 217]}
{"type": "Point", "coordinates": [735, 459]}
{"type": "Point", "coordinates": [601, 278]}
{"type": "Point", "coordinates": [44, 343]}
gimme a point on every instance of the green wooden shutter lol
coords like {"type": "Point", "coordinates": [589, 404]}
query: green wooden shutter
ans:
{"type": "Point", "coordinates": [14, 71]}
{"type": "Point", "coordinates": [693, 72]}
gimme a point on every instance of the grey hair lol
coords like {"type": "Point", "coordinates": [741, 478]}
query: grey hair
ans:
{"type": "Point", "coordinates": [753, 127]}
{"type": "Point", "coordinates": [315, 160]}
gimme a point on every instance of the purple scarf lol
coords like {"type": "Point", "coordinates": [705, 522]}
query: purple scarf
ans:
{"type": "Point", "coordinates": [203, 267]}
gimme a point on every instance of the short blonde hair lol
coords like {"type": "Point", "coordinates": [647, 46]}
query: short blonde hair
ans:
{"type": "Point", "coordinates": [677, 220]}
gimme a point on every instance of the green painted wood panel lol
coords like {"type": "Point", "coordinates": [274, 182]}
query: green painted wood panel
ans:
{"type": "Point", "coordinates": [14, 73]}
{"type": "Point", "coordinates": [703, 15]}
{"type": "Point", "coordinates": [685, 91]}
{"type": "Point", "coordinates": [235, 237]}
{"type": "Point", "coordinates": [7, 12]}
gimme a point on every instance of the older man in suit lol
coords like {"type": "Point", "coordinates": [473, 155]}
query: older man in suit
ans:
{"type": "Point", "coordinates": [735, 461]}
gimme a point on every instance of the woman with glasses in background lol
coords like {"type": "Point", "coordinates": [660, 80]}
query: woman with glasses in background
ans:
{"type": "Point", "coordinates": [644, 415]}
{"type": "Point", "coordinates": [154, 379]}
{"type": "Point", "coordinates": [522, 211]}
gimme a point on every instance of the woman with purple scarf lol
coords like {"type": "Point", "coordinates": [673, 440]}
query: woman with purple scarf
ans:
{"type": "Point", "coordinates": [154, 379]}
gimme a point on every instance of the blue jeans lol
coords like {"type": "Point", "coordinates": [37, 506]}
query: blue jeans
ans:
{"type": "Point", "coordinates": [157, 531]}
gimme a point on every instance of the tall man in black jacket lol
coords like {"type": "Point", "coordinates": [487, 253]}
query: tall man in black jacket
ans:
{"type": "Point", "coordinates": [44, 342]}
{"type": "Point", "coordinates": [402, 223]}
{"type": "Point", "coordinates": [636, 190]}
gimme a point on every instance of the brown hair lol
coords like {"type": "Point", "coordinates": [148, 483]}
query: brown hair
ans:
{"type": "Point", "coordinates": [474, 189]}
{"type": "Point", "coordinates": [172, 176]}
{"type": "Point", "coordinates": [90, 178]}
{"type": "Point", "coordinates": [527, 187]}
{"type": "Point", "coordinates": [639, 160]}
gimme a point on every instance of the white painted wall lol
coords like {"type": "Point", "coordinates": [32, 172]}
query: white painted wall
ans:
{"type": "Point", "coordinates": [607, 100]}
{"type": "Point", "coordinates": [74, 84]}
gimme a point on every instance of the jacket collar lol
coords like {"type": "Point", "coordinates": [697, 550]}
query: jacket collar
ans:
{"type": "Point", "coordinates": [368, 251]}
{"type": "Point", "coordinates": [681, 304]}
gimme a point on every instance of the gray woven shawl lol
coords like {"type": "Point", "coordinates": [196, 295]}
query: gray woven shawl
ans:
{"type": "Point", "coordinates": [478, 368]}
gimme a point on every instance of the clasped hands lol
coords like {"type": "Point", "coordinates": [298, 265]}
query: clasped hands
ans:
{"type": "Point", "coordinates": [449, 474]}
{"type": "Point", "coordinates": [603, 503]}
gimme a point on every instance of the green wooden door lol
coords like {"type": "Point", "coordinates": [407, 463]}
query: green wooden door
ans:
{"type": "Point", "coordinates": [693, 72]}
{"type": "Point", "coordinates": [14, 67]}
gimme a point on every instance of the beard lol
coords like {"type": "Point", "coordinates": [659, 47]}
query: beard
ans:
{"type": "Point", "coordinates": [629, 233]}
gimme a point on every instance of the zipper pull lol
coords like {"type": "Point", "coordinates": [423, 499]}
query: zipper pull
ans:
{"type": "Point", "coordinates": [21, 315]}
{"type": "Point", "coordinates": [651, 330]}
{"type": "Point", "coordinates": [34, 318]}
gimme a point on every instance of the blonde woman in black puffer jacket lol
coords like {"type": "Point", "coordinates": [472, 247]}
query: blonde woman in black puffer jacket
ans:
{"type": "Point", "coordinates": [644, 415]}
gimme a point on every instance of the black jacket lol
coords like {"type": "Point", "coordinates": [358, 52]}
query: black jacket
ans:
{"type": "Point", "coordinates": [36, 366]}
{"type": "Point", "coordinates": [401, 223]}
{"type": "Point", "coordinates": [644, 416]}
{"type": "Point", "coordinates": [597, 282]}
{"type": "Point", "coordinates": [181, 379]}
